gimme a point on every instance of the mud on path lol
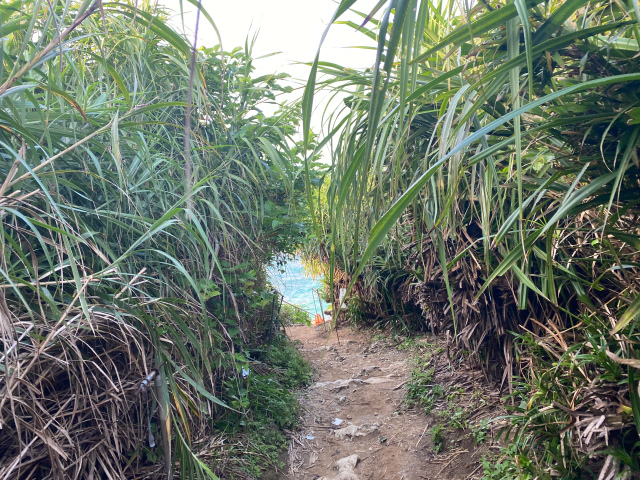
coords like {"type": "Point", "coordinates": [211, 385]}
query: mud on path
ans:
{"type": "Point", "coordinates": [359, 384]}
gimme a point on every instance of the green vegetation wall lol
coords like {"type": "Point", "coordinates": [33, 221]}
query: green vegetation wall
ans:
{"type": "Point", "coordinates": [141, 195]}
{"type": "Point", "coordinates": [485, 181]}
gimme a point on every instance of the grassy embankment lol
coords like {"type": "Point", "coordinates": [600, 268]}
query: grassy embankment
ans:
{"type": "Point", "coordinates": [142, 192]}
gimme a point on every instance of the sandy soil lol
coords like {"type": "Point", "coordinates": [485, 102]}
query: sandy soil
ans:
{"type": "Point", "coordinates": [361, 383]}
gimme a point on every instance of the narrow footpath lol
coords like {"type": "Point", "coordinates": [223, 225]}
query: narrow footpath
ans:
{"type": "Point", "coordinates": [356, 422]}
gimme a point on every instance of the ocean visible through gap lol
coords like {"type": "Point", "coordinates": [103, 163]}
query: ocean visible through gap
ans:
{"type": "Point", "coordinates": [297, 289]}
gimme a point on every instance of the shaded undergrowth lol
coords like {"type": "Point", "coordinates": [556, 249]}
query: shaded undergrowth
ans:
{"type": "Point", "coordinates": [265, 399]}
{"type": "Point", "coordinates": [454, 394]}
{"type": "Point", "coordinates": [530, 431]}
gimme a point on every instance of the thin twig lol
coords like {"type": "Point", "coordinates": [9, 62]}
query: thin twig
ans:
{"type": "Point", "coordinates": [45, 51]}
{"type": "Point", "coordinates": [188, 165]}
{"type": "Point", "coordinates": [423, 432]}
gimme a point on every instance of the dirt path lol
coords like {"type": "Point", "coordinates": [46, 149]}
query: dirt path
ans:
{"type": "Point", "coordinates": [360, 385]}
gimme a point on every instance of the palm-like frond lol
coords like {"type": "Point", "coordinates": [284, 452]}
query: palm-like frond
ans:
{"type": "Point", "coordinates": [107, 275]}
{"type": "Point", "coordinates": [485, 171]}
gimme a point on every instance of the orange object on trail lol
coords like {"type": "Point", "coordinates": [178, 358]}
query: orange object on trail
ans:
{"type": "Point", "coordinates": [317, 320]}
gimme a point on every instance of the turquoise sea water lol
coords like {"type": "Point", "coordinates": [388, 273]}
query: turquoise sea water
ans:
{"type": "Point", "coordinates": [296, 288]}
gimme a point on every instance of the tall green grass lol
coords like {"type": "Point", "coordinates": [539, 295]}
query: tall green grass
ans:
{"type": "Point", "coordinates": [484, 180]}
{"type": "Point", "coordinates": [114, 264]}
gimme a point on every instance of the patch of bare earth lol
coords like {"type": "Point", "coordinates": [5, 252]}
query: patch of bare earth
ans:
{"type": "Point", "coordinates": [357, 408]}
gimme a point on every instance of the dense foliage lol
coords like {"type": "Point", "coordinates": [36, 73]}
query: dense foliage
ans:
{"type": "Point", "coordinates": [485, 181]}
{"type": "Point", "coordinates": [141, 195]}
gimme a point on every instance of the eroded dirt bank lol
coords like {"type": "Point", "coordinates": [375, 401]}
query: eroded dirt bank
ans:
{"type": "Point", "coordinates": [357, 425]}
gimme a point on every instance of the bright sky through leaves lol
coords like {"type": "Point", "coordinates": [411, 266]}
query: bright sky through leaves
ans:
{"type": "Point", "coordinates": [293, 27]}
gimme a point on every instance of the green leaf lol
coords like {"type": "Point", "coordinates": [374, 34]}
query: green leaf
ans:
{"type": "Point", "coordinates": [485, 23]}
{"type": "Point", "coordinates": [630, 314]}
{"type": "Point", "coordinates": [388, 220]}
{"type": "Point", "coordinates": [634, 396]}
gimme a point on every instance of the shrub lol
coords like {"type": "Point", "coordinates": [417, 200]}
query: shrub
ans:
{"type": "Point", "coordinates": [290, 315]}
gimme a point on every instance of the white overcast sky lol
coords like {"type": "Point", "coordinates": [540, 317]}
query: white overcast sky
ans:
{"type": "Point", "coordinates": [293, 27]}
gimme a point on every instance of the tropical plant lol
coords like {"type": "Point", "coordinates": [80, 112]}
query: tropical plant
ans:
{"type": "Point", "coordinates": [484, 179]}
{"type": "Point", "coordinates": [142, 192]}
{"type": "Point", "coordinates": [290, 315]}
